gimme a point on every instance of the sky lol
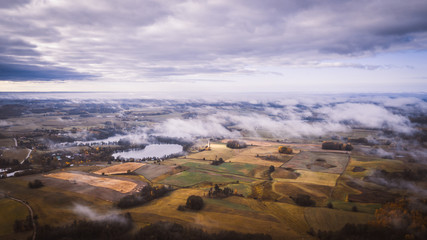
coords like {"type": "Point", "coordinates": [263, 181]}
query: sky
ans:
{"type": "Point", "coordinates": [213, 46]}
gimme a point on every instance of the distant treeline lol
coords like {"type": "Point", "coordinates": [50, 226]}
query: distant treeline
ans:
{"type": "Point", "coordinates": [114, 230]}
{"type": "Point", "coordinates": [170, 140]}
{"type": "Point", "coordinates": [147, 194]}
{"type": "Point", "coordinates": [236, 144]}
{"type": "Point", "coordinates": [337, 146]}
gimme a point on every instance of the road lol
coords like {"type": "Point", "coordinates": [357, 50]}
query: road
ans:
{"type": "Point", "coordinates": [31, 213]}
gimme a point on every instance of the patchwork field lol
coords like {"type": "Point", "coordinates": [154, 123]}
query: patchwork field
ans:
{"type": "Point", "coordinates": [114, 184]}
{"type": "Point", "coordinates": [120, 168]}
{"type": "Point", "coordinates": [319, 162]}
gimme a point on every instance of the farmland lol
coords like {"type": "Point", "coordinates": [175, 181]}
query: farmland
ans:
{"type": "Point", "coordinates": [283, 194]}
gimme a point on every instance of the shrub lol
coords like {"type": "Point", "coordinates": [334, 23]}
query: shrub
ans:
{"type": "Point", "coordinates": [304, 200]}
{"type": "Point", "coordinates": [35, 184]}
{"type": "Point", "coordinates": [194, 202]}
{"type": "Point", "coordinates": [236, 144]}
{"type": "Point", "coordinates": [287, 150]}
{"type": "Point", "coordinates": [337, 146]}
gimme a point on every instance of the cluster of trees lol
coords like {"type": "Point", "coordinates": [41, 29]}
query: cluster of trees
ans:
{"type": "Point", "coordinates": [116, 227]}
{"type": "Point", "coordinates": [4, 163]}
{"type": "Point", "coordinates": [146, 194]}
{"type": "Point", "coordinates": [217, 162]}
{"type": "Point", "coordinates": [363, 232]}
{"type": "Point", "coordinates": [218, 192]}
{"type": "Point", "coordinates": [287, 150]}
{"type": "Point", "coordinates": [303, 200]}
{"type": "Point", "coordinates": [109, 230]}
{"type": "Point", "coordinates": [186, 145]}
{"type": "Point", "coordinates": [23, 225]}
{"type": "Point", "coordinates": [193, 202]}
{"type": "Point", "coordinates": [337, 146]}
{"type": "Point", "coordinates": [35, 184]}
{"type": "Point", "coordinates": [236, 144]}
{"type": "Point", "coordinates": [174, 231]}
{"type": "Point", "coordinates": [407, 174]}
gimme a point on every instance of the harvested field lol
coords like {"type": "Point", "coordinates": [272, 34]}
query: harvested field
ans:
{"type": "Point", "coordinates": [152, 171]}
{"type": "Point", "coordinates": [370, 195]}
{"type": "Point", "coordinates": [7, 142]}
{"type": "Point", "coordinates": [120, 168]}
{"type": "Point", "coordinates": [319, 162]}
{"type": "Point", "coordinates": [316, 192]}
{"type": "Point", "coordinates": [249, 155]}
{"type": "Point", "coordinates": [317, 178]}
{"type": "Point", "coordinates": [114, 184]}
{"type": "Point", "coordinates": [16, 153]}
{"type": "Point", "coordinates": [326, 219]}
{"type": "Point", "coordinates": [285, 174]}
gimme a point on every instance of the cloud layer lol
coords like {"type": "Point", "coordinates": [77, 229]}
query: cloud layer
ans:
{"type": "Point", "coordinates": [142, 40]}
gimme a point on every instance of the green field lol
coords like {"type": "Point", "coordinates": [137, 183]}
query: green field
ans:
{"type": "Point", "coordinates": [190, 178]}
{"type": "Point", "coordinates": [244, 169]}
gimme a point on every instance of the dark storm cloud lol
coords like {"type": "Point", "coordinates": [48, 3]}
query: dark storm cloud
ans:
{"type": "Point", "coordinates": [12, 3]}
{"type": "Point", "coordinates": [22, 72]}
{"type": "Point", "coordinates": [169, 38]}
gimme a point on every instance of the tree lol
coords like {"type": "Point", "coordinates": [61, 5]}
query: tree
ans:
{"type": "Point", "coordinates": [286, 150]}
{"type": "Point", "coordinates": [271, 169]}
{"type": "Point", "coordinates": [35, 184]}
{"type": "Point", "coordinates": [194, 202]}
{"type": "Point", "coordinates": [236, 144]}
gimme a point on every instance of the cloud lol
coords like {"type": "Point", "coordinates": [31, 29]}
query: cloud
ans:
{"type": "Point", "coordinates": [366, 115]}
{"type": "Point", "coordinates": [89, 213]}
{"type": "Point", "coordinates": [23, 72]}
{"type": "Point", "coordinates": [136, 40]}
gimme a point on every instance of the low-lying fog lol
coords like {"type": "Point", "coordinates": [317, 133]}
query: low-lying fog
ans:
{"type": "Point", "coordinates": [281, 116]}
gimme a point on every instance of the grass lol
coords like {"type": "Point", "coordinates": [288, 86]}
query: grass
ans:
{"type": "Point", "coordinates": [361, 207]}
{"type": "Point", "coordinates": [317, 178]}
{"type": "Point", "coordinates": [233, 168]}
{"type": "Point", "coordinates": [10, 211]}
{"type": "Point", "coordinates": [16, 153]}
{"type": "Point", "coordinates": [7, 142]}
{"type": "Point", "coordinates": [227, 204]}
{"type": "Point", "coordinates": [190, 178]}
{"type": "Point", "coordinates": [53, 206]}
{"type": "Point", "coordinates": [241, 188]}
{"type": "Point", "coordinates": [332, 219]}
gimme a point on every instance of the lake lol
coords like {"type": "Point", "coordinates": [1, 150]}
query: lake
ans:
{"type": "Point", "coordinates": [152, 150]}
